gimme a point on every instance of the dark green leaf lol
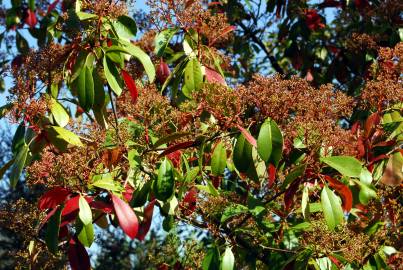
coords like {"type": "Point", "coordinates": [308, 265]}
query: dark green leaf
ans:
{"type": "Point", "coordinates": [125, 27]}
{"type": "Point", "coordinates": [164, 184]}
{"type": "Point", "coordinates": [19, 164]}
{"type": "Point", "coordinates": [52, 231]}
{"type": "Point", "coordinates": [242, 155]}
{"type": "Point", "coordinates": [212, 260]}
{"type": "Point", "coordinates": [112, 76]}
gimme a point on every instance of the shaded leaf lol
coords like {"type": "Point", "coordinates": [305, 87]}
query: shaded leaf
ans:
{"type": "Point", "coordinates": [164, 184]}
{"type": "Point", "coordinates": [78, 256]}
{"type": "Point", "coordinates": [52, 231]}
{"type": "Point", "coordinates": [18, 165]}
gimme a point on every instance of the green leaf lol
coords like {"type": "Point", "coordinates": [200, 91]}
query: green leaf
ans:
{"type": "Point", "coordinates": [219, 159]}
{"type": "Point", "coordinates": [112, 76]}
{"type": "Point", "coordinates": [84, 85]}
{"type": "Point", "coordinates": [242, 155]}
{"type": "Point", "coordinates": [191, 174]}
{"type": "Point", "coordinates": [125, 27]}
{"type": "Point", "coordinates": [5, 168]}
{"type": "Point", "coordinates": [228, 260]}
{"type": "Point", "coordinates": [162, 40]}
{"type": "Point", "coordinates": [305, 203]}
{"type": "Point", "coordinates": [84, 16]}
{"type": "Point", "coordinates": [366, 192]}
{"type": "Point", "coordinates": [193, 77]}
{"type": "Point", "coordinates": [85, 233]}
{"type": "Point", "coordinates": [59, 113]}
{"type": "Point", "coordinates": [19, 164]}
{"type": "Point", "coordinates": [79, 64]}
{"type": "Point", "coordinates": [164, 185]}
{"type": "Point", "coordinates": [105, 181]}
{"type": "Point", "coordinates": [19, 138]}
{"type": "Point", "coordinates": [66, 135]}
{"type": "Point", "coordinates": [346, 165]}
{"type": "Point", "coordinates": [233, 210]}
{"type": "Point", "coordinates": [142, 57]}
{"type": "Point", "coordinates": [22, 43]}
{"type": "Point", "coordinates": [294, 174]}
{"type": "Point", "coordinates": [4, 109]}
{"type": "Point", "coordinates": [52, 231]}
{"type": "Point", "coordinates": [85, 213]}
{"type": "Point", "coordinates": [270, 142]}
{"type": "Point", "coordinates": [365, 176]}
{"type": "Point", "coordinates": [331, 206]}
{"type": "Point", "coordinates": [212, 260]}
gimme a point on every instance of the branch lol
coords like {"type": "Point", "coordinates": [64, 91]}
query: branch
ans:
{"type": "Point", "coordinates": [260, 43]}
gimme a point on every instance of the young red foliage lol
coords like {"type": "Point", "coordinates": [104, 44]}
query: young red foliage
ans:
{"type": "Point", "coordinates": [53, 198]}
{"type": "Point", "coordinates": [131, 85]}
{"type": "Point", "coordinates": [78, 256]}
{"type": "Point", "coordinates": [343, 191]}
{"type": "Point", "coordinates": [146, 222]}
{"type": "Point", "coordinates": [126, 216]}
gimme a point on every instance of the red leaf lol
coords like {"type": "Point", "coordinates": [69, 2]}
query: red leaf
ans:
{"type": "Point", "coordinates": [289, 194]}
{"type": "Point", "coordinates": [163, 72]}
{"type": "Point", "coordinates": [53, 198]}
{"type": "Point", "coordinates": [176, 147]}
{"type": "Point", "coordinates": [343, 190]}
{"type": "Point", "coordinates": [52, 6]}
{"type": "Point", "coordinates": [272, 174]}
{"type": "Point", "coordinates": [146, 222]}
{"type": "Point", "coordinates": [128, 193]}
{"type": "Point", "coordinates": [372, 121]}
{"type": "Point", "coordinates": [72, 205]}
{"type": "Point", "coordinates": [188, 204]}
{"type": "Point", "coordinates": [213, 76]}
{"type": "Point", "coordinates": [31, 19]}
{"type": "Point", "coordinates": [104, 207]}
{"type": "Point", "coordinates": [248, 136]}
{"type": "Point", "coordinates": [78, 256]}
{"type": "Point", "coordinates": [175, 157]}
{"type": "Point", "coordinates": [126, 216]}
{"type": "Point", "coordinates": [131, 85]}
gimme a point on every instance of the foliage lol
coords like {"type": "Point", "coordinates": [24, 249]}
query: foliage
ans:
{"type": "Point", "coordinates": [282, 171]}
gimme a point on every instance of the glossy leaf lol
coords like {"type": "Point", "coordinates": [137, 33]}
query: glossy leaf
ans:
{"type": "Point", "coordinates": [59, 113]}
{"type": "Point", "coordinates": [5, 167]}
{"type": "Point", "coordinates": [219, 160]}
{"type": "Point", "coordinates": [227, 260]}
{"type": "Point", "coordinates": [78, 256]}
{"type": "Point", "coordinates": [112, 76]}
{"type": "Point", "coordinates": [331, 208]}
{"type": "Point", "coordinates": [343, 190]}
{"type": "Point", "coordinates": [270, 142]}
{"type": "Point", "coordinates": [131, 85]}
{"type": "Point", "coordinates": [53, 198]}
{"type": "Point", "coordinates": [146, 222]}
{"type": "Point", "coordinates": [85, 213]}
{"type": "Point", "coordinates": [193, 77]}
{"type": "Point", "coordinates": [18, 165]}
{"type": "Point", "coordinates": [242, 154]}
{"type": "Point", "coordinates": [211, 260]}
{"type": "Point", "coordinates": [67, 136]}
{"type": "Point", "coordinates": [164, 184]}
{"type": "Point", "coordinates": [84, 85]}
{"type": "Point", "coordinates": [125, 27]}
{"type": "Point", "coordinates": [126, 216]}
{"type": "Point", "coordinates": [142, 57]}
{"type": "Point", "coordinates": [52, 231]}
{"type": "Point", "coordinates": [85, 233]}
{"type": "Point", "coordinates": [305, 202]}
{"type": "Point", "coordinates": [162, 40]}
{"type": "Point", "coordinates": [346, 165]}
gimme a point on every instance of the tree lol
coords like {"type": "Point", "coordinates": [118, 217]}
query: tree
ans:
{"type": "Point", "coordinates": [223, 116]}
